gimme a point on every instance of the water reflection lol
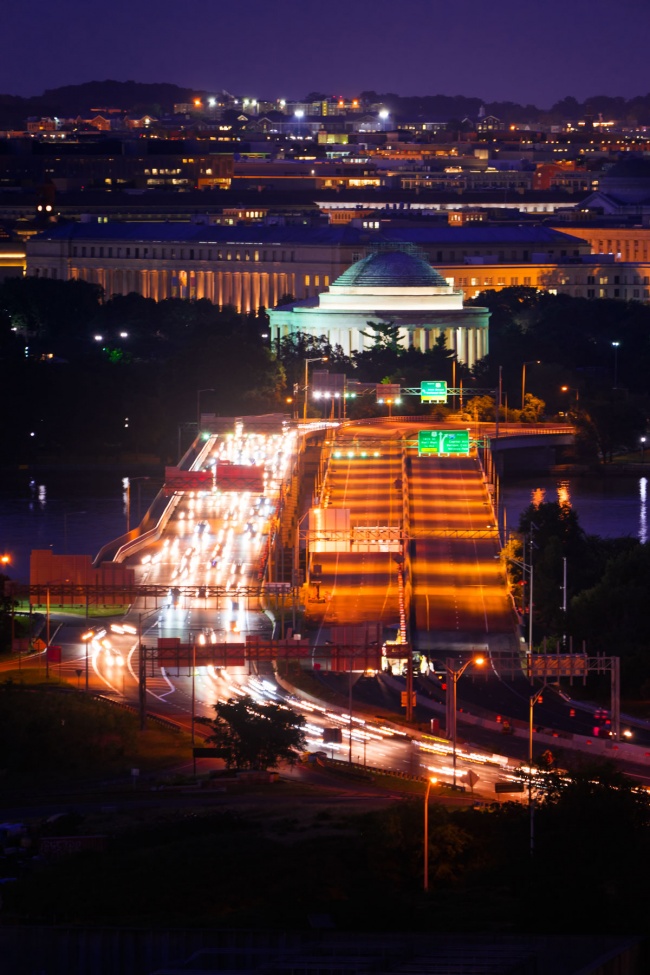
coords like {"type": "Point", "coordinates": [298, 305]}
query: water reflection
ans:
{"type": "Point", "coordinates": [643, 510]}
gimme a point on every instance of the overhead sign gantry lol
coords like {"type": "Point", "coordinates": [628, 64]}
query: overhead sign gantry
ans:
{"type": "Point", "coordinates": [443, 443]}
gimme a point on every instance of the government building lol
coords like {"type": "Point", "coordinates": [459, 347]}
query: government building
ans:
{"type": "Point", "coordinates": [255, 265]}
{"type": "Point", "coordinates": [392, 286]}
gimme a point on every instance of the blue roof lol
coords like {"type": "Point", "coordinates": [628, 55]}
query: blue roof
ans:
{"type": "Point", "coordinates": [386, 268]}
{"type": "Point", "coordinates": [186, 232]}
{"type": "Point", "coordinates": [478, 234]}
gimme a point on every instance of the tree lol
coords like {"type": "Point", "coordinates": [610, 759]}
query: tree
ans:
{"type": "Point", "coordinates": [384, 335]}
{"type": "Point", "coordinates": [533, 409]}
{"type": "Point", "coordinates": [253, 735]}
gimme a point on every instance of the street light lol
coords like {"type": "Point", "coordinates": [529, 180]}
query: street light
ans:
{"type": "Point", "coordinates": [198, 407]}
{"type": "Point", "coordinates": [430, 782]}
{"type": "Point", "coordinates": [454, 675]}
{"type": "Point", "coordinates": [615, 346]}
{"type": "Point", "coordinates": [530, 362]}
{"type": "Point", "coordinates": [642, 450]}
{"type": "Point", "coordinates": [320, 358]}
{"type": "Point", "coordinates": [85, 638]}
{"type": "Point", "coordinates": [127, 487]}
{"type": "Point", "coordinates": [572, 389]}
{"type": "Point", "coordinates": [389, 402]}
{"type": "Point", "coordinates": [534, 698]}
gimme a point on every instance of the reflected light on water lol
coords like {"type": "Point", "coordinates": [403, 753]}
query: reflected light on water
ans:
{"type": "Point", "coordinates": [643, 509]}
{"type": "Point", "coordinates": [564, 494]}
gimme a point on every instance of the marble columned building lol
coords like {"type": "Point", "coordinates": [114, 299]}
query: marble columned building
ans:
{"type": "Point", "coordinates": [247, 267]}
{"type": "Point", "coordinates": [256, 264]}
{"type": "Point", "coordinates": [392, 286]}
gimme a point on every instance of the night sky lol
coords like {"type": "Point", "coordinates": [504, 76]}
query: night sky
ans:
{"type": "Point", "coordinates": [526, 51]}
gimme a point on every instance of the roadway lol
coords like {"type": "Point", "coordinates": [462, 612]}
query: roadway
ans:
{"type": "Point", "coordinates": [219, 539]}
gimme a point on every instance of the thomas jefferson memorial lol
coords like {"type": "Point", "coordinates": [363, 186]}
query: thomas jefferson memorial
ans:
{"type": "Point", "coordinates": [396, 286]}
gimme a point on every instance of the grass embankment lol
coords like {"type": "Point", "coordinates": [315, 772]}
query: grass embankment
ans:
{"type": "Point", "coordinates": [55, 737]}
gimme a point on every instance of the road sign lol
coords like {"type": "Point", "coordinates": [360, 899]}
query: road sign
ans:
{"type": "Point", "coordinates": [443, 442]}
{"type": "Point", "coordinates": [388, 392]}
{"type": "Point", "coordinates": [560, 665]}
{"type": "Point", "coordinates": [433, 391]}
{"type": "Point", "coordinates": [471, 778]}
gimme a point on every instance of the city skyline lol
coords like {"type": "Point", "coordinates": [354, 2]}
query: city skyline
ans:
{"type": "Point", "coordinates": [506, 52]}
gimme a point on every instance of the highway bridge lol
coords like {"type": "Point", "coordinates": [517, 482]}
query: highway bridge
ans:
{"type": "Point", "coordinates": [372, 566]}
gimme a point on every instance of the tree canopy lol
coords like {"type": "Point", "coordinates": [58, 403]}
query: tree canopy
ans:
{"type": "Point", "coordinates": [254, 735]}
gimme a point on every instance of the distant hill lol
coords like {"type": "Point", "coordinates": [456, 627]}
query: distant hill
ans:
{"type": "Point", "coordinates": [73, 100]}
{"type": "Point", "coordinates": [159, 99]}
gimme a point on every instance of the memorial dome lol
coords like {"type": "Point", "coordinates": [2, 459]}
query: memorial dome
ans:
{"type": "Point", "coordinates": [391, 269]}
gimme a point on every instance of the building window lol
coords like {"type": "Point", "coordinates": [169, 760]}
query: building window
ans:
{"type": "Point", "coordinates": [591, 293]}
{"type": "Point", "coordinates": [514, 282]}
{"type": "Point", "coordinates": [526, 282]}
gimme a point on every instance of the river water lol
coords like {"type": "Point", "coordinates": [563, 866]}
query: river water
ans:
{"type": "Point", "coordinates": [69, 512]}
{"type": "Point", "coordinates": [79, 512]}
{"type": "Point", "coordinates": [614, 506]}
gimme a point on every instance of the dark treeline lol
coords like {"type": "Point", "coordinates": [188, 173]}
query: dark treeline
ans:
{"type": "Point", "coordinates": [445, 107]}
{"type": "Point", "coordinates": [70, 101]}
{"type": "Point", "coordinates": [81, 371]}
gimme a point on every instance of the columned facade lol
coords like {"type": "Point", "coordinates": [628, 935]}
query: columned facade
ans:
{"type": "Point", "coordinates": [393, 287]}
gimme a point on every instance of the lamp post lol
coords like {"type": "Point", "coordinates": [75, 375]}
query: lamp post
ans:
{"type": "Point", "coordinates": [127, 487]}
{"type": "Point", "coordinates": [320, 358]}
{"type": "Point", "coordinates": [454, 675]}
{"type": "Point", "coordinates": [430, 782]}
{"type": "Point", "coordinates": [615, 346]}
{"type": "Point", "coordinates": [572, 389]}
{"type": "Point", "coordinates": [142, 671]}
{"type": "Point", "coordinates": [85, 638]}
{"type": "Point", "coordinates": [534, 698]}
{"type": "Point", "coordinates": [389, 402]}
{"type": "Point", "coordinates": [530, 362]}
{"type": "Point", "coordinates": [295, 582]}
{"type": "Point", "coordinates": [198, 406]}
{"type": "Point", "coordinates": [642, 450]}
{"type": "Point", "coordinates": [527, 568]}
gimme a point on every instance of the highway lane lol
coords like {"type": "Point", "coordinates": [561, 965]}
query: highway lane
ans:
{"type": "Point", "coordinates": [459, 595]}
{"type": "Point", "coordinates": [460, 598]}
{"type": "Point", "coordinates": [361, 586]}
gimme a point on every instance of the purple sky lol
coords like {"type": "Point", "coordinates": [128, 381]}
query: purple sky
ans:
{"type": "Point", "coordinates": [526, 51]}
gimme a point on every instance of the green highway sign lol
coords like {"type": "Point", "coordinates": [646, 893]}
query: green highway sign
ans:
{"type": "Point", "coordinates": [433, 391]}
{"type": "Point", "coordinates": [443, 442]}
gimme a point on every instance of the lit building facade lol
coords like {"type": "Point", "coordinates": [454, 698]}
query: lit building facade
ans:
{"type": "Point", "coordinates": [252, 265]}
{"type": "Point", "coordinates": [389, 287]}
